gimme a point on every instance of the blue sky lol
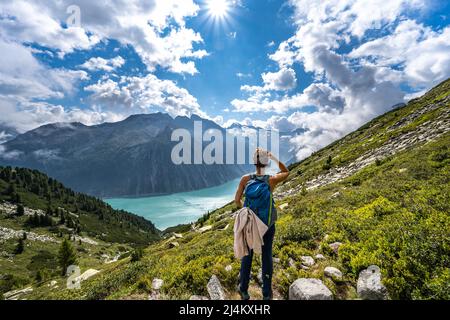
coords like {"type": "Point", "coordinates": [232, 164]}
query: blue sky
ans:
{"type": "Point", "coordinates": [326, 66]}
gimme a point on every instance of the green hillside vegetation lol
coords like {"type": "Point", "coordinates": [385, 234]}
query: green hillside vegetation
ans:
{"type": "Point", "coordinates": [63, 214]}
{"type": "Point", "coordinates": [81, 213]}
{"type": "Point", "coordinates": [393, 212]}
{"type": "Point", "coordinates": [38, 263]}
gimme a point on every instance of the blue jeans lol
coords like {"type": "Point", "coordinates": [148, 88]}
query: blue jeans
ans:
{"type": "Point", "coordinates": [267, 265]}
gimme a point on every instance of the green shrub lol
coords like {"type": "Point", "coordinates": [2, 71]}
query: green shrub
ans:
{"type": "Point", "coordinates": [137, 254]}
{"type": "Point", "coordinates": [112, 281]}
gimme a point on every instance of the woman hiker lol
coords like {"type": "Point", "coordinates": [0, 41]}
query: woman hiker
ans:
{"type": "Point", "coordinates": [257, 189]}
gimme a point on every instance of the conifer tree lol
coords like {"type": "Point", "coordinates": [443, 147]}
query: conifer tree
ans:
{"type": "Point", "coordinates": [19, 247]}
{"type": "Point", "coordinates": [66, 256]}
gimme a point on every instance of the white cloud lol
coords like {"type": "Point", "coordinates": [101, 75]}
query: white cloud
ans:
{"type": "Point", "coordinates": [282, 80]}
{"type": "Point", "coordinates": [25, 82]}
{"type": "Point", "coordinates": [373, 14]}
{"type": "Point", "coordinates": [40, 22]}
{"type": "Point", "coordinates": [9, 154]}
{"type": "Point", "coordinates": [47, 154]}
{"type": "Point", "coordinates": [27, 115]}
{"type": "Point", "coordinates": [232, 34]}
{"type": "Point", "coordinates": [23, 77]}
{"type": "Point", "coordinates": [4, 136]}
{"type": "Point", "coordinates": [155, 28]}
{"type": "Point", "coordinates": [98, 63]}
{"type": "Point", "coordinates": [284, 56]}
{"type": "Point", "coordinates": [280, 123]}
{"type": "Point", "coordinates": [349, 89]}
{"type": "Point", "coordinates": [423, 54]}
{"type": "Point", "coordinates": [321, 95]}
{"type": "Point", "coordinates": [259, 99]}
{"type": "Point", "coordinates": [243, 75]}
{"type": "Point", "coordinates": [143, 94]}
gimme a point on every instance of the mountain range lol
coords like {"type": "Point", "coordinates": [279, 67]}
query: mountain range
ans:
{"type": "Point", "coordinates": [127, 158]}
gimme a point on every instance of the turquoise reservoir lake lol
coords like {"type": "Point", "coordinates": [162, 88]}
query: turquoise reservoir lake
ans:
{"type": "Point", "coordinates": [184, 207]}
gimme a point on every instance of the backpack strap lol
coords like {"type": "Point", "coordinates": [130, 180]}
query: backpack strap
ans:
{"type": "Point", "coordinates": [266, 179]}
{"type": "Point", "coordinates": [269, 221]}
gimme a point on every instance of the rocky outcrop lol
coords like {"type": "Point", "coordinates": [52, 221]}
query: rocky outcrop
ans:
{"type": "Point", "coordinates": [284, 206]}
{"type": "Point", "coordinates": [204, 229]}
{"type": "Point", "coordinates": [425, 132]}
{"type": "Point", "coordinates": [7, 233]}
{"type": "Point", "coordinates": [86, 275]}
{"type": "Point", "coordinates": [333, 273]}
{"type": "Point", "coordinates": [157, 284]}
{"type": "Point", "coordinates": [307, 261]}
{"type": "Point", "coordinates": [335, 247]}
{"type": "Point", "coordinates": [10, 209]}
{"type": "Point", "coordinates": [215, 289]}
{"type": "Point", "coordinates": [16, 294]}
{"type": "Point", "coordinates": [87, 240]}
{"type": "Point", "coordinates": [174, 244]}
{"type": "Point", "coordinates": [309, 289]}
{"type": "Point", "coordinates": [369, 286]}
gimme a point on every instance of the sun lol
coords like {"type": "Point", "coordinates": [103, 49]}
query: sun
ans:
{"type": "Point", "coordinates": [219, 15]}
{"type": "Point", "coordinates": [218, 9]}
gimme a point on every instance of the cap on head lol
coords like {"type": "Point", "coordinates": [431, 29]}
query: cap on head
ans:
{"type": "Point", "coordinates": [261, 158]}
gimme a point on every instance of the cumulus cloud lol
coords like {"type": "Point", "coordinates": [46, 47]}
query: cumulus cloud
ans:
{"type": "Point", "coordinates": [9, 154]}
{"type": "Point", "coordinates": [349, 88]}
{"type": "Point", "coordinates": [143, 94]}
{"type": "Point", "coordinates": [98, 63]}
{"type": "Point", "coordinates": [322, 95]}
{"type": "Point", "coordinates": [28, 115]}
{"type": "Point", "coordinates": [4, 136]}
{"type": "Point", "coordinates": [47, 154]}
{"type": "Point", "coordinates": [156, 29]}
{"type": "Point", "coordinates": [243, 75]}
{"type": "Point", "coordinates": [25, 83]}
{"type": "Point", "coordinates": [421, 53]}
{"type": "Point", "coordinates": [22, 76]}
{"type": "Point", "coordinates": [284, 79]}
{"type": "Point", "coordinates": [325, 97]}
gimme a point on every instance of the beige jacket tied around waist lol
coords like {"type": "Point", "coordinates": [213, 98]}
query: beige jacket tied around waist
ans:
{"type": "Point", "coordinates": [248, 232]}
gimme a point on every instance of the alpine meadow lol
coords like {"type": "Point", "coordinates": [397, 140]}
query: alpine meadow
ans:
{"type": "Point", "coordinates": [378, 196]}
{"type": "Point", "coordinates": [238, 159]}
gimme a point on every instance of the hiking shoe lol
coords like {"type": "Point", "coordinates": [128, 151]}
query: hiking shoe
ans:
{"type": "Point", "coordinates": [244, 294]}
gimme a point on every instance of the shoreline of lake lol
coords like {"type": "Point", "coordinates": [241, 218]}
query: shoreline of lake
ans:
{"type": "Point", "coordinates": [177, 208]}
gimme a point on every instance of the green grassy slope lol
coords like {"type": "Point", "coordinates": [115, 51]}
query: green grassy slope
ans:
{"type": "Point", "coordinates": [61, 213]}
{"type": "Point", "coordinates": [384, 195]}
{"type": "Point", "coordinates": [84, 214]}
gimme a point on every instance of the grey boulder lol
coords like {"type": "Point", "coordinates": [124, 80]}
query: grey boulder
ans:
{"type": "Point", "coordinates": [333, 273]}
{"type": "Point", "coordinates": [309, 289]}
{"type": "Point", "coordinates": [369, 286]}
{"type": "Point", "coordinates": [215, 289]}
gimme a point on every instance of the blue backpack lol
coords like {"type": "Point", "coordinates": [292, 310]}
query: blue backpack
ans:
{"type": "Point", "coordinates": [258, 197]}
